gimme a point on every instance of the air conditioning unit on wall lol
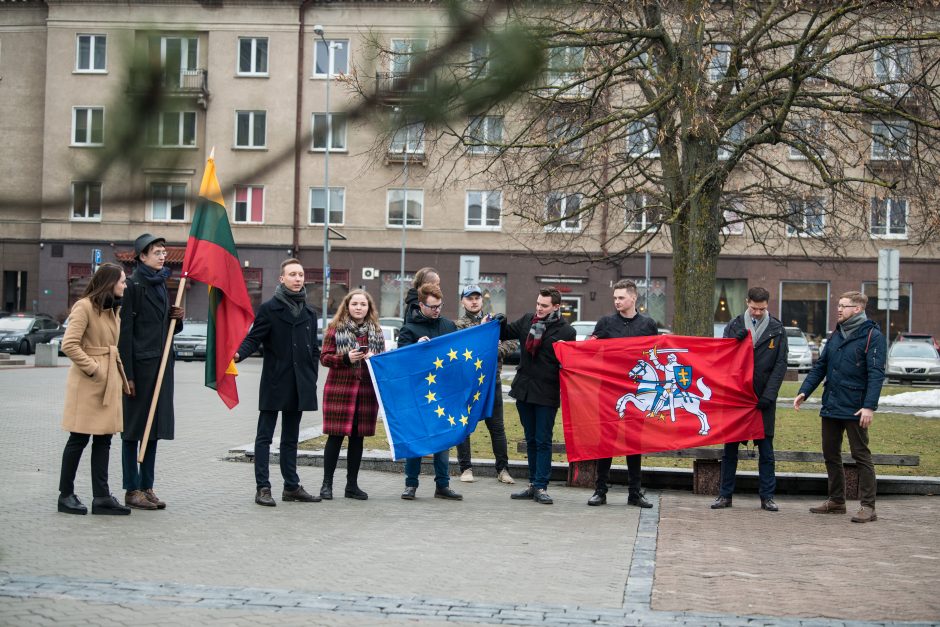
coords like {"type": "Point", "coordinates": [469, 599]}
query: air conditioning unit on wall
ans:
{"type": "Point", "coordinates": [369, 273]}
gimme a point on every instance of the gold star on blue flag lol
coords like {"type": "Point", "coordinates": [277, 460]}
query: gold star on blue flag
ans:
{"type": "Point", "coordinates": [420, 394]}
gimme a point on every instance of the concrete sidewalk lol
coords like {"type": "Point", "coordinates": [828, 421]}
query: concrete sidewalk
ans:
{"type": "Point", "coordinates": [214, 557]}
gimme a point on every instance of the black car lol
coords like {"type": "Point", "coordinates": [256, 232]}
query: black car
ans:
{"type": "Point", "coordinates": [20, 333]}
{"type": "Point", "coordinates": [190, 343]}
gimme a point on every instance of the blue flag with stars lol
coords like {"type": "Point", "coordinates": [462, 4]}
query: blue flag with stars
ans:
{"type": "Point", "coordinates": [432, 394]}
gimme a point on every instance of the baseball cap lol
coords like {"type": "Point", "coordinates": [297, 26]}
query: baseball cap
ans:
{"type": "Point", "coordinates": [473, 288]}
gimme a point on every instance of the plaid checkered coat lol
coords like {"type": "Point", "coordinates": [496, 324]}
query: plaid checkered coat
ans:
{"type": "Point", "coordinates": [345, 384]}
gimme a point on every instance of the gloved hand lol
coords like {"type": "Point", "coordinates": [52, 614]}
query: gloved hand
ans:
{"type": "Point", "coordinates": [740, 335]}
{"type": "Point", "coordinates": [498, 317]}
{"type": "Point", "coordinates": [764, 403]}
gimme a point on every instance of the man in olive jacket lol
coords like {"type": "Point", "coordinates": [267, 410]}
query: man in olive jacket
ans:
{"type": "Point", "coordinates": [770, 366]}
{"type": "Point", "coordinates": [287, 328]}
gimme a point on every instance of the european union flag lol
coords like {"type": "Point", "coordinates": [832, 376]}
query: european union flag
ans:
{"type": "Point", "coordinates": [432, 394]}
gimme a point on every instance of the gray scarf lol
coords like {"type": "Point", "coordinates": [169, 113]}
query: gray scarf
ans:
{"type": "Point", "coordinates": [848, 327]}
{"type": "Point", "coordinates": [756, 331]}
{"type": "Point", "coordinates": [294, 301]}
{"type": "Point", "coordinates": [348, 334]}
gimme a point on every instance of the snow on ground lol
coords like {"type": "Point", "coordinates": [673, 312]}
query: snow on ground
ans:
{"type": "Point", "coordinates": [927, 398]}
{"type": "Point", "coordinates": [933, 413]}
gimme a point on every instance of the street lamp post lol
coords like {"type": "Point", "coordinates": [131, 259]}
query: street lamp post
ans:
{"type": "Point", "coordinates": [404, 224]}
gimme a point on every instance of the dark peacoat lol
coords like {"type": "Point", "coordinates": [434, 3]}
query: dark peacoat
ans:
{"type": "Point", "coordinates": [536, 379]}
{"type": "Point", "coordinates": [291, 356]}
{"type": "Point", "coordinates": [770, 365]}
{"type": "Point", "coordinates": [145, 321]}
{"type": "Point", "coordinates": [348, 387]}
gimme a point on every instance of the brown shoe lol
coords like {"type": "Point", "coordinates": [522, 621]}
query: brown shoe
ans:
{"type": "Point", "coordinates": [138, 500]}
{"type": "Point", "coordinates": [299, 495]}
{"type": "Point", "coordinates": [263, 497]}
{"type": "Point", "coordinates": [154, 499]}
{"type": "Point", "coordinates": [865, 514]}
{"type": "Point", "coordinates": [829, 507]}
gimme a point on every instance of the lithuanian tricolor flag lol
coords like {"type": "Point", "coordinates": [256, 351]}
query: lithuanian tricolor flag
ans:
{"type": "Point", "coordinates": [212, 259]}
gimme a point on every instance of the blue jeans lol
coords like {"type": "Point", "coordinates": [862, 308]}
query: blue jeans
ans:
{"type": "Point", "coordinates": [290, 430]}
{"type": "Point", "coordinates": [497, 436]}
{"type": "Point", "coordinates": [765, 468]}
{"type": "Point", "coordinates": [138, 477]}
{"type": "Point", "coordinates": [441, 470]}
{"type": "Point", "coordinates": [538, 421]}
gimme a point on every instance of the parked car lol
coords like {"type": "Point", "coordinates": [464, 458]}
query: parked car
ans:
{"type": "Point", "coordinates": [57, 341]}
{"type": "Point", "coordinates": [719, 329]}
{"type": "Point", "coordinates": [913, 361]}
{"type": "Point", "coordinates": [907, 336]}
{"type": "Point", "coordinates": [391, 337]}
{"type": "Point", "coordinates": [583, 328]}
{"type": "Point", "coordinates": [391, 321]}
{"type": "Point", "coordinates": [190, 343]}
{"type": "Point", "coordinates": [664, 331]}
{"type": "Point", "coordinates": [799, 354]}
{"type": "Point", "coordinates": [20, 333]}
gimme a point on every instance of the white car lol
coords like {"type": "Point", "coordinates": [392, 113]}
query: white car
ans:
{"type": "Point", "coordinates": [799, 354]}
{"type": "Point", "coordinates": [913, 361]}
{"type": "Point", "coordinates": [391, 337]}
{"type": "Point", "coordinates": [584, 328]}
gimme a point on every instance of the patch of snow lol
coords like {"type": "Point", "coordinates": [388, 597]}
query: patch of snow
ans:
{"type": "Point", "coordinates": [927, 398]}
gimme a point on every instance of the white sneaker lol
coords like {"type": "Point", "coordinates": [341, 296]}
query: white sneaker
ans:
{"type": "Point", "coordinates": [503, 477]}
{"type": "Point", "coordinates": [467, 476]}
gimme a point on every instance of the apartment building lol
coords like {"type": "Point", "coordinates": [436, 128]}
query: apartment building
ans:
{"type": "Point", "coordinates": [248, 79]}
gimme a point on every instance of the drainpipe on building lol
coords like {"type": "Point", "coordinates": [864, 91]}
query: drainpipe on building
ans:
{"type": "Point", "coordinates": [298, 127]}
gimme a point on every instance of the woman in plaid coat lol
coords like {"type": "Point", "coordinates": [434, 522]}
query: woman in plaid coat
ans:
{"type": "Point", "coordinates": [349, 404]}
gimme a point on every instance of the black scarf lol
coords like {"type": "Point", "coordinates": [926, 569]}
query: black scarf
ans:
{"type": "Point", "coordinates": [111, 302]}
{"type": "Point", "coordinates": [295, 301]}
{"type": "Point", "coordinates": [156, 278]}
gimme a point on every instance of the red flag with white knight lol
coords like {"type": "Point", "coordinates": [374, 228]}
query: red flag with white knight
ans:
{"type": "Point", "coordinates": [661, 393]}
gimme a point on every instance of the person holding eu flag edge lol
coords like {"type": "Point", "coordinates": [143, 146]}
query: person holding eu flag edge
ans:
{"type": "Point", "coordinates": [427, 323]}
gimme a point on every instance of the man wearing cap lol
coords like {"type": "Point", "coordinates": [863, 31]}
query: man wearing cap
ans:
{"type": "Point", "coordinates": [472, 300]}
{"type": "Point", "coordinates": [145, 320]}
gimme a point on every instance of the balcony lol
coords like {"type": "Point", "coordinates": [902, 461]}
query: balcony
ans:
{"type": "Point", "coordinates": [412, 156]}
{"type": "Point", "coordinates": [185, 84]}
{"type": "Point", "coordinates": [397, 86]}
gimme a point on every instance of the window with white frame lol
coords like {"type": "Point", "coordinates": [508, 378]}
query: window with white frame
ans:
{"type": "Point", "coordinates": [732, 224]}
{"type": "Point", "coordinates": [563, 136]}
{"type": "Point", "coordinates": [479, 59]}
{"type": "Point", "coordinates": [563, 212]}
{"type": "Point", "coordinates": [893, 65]}
{"type": "Point", "coordinates": [888, 217]}
{"type": "Point", "coordinates": [396, 202]}
{"type": "Point", "coordinates": [890, 141]}
{"type": "Point", "coordinates": [719, 62]}
{"type": "Point", "coordinates": [250, 128]}
{"type": "Point", "coordinates": [808, 136]}
{"type": "Point", "coordinates": [87, 126]}
{"type": "Point", "coordinates": [565, 65]}
{"type": "Point", "coordinates": [484, 134]}
{"type": "Point", "coordinates": [405, 53]}
{"type": "Point", "coordinates": [318, 205]}
{"type": "Point", "coordinates": [173, 129]}
{"type": "Point", "coordinates": [249, 204]}
{"type": "Point", "coordinates": [641, 138]}
{"type": "Point", "coordinates": [252, 56]}
{"type": "Point", "coordinates": [330, 58]}
{"type": "Point", "coordinates": [807, 217]}
{"type": "Point", "coordinates": [812, 62]}
{"type": "Point", "coordinates": [408, 139]}
{"type": "Point", "coordinates": [330, 136]}
{"type": "Point", "coordinates": [168, 202]}
{"type": "Point", "coordinates": [86, 200]}
{"type": "Point", "coordinates": [484, 209]}
{"type": "Point", "coordinates": [179, 58]}
{"type": "Point", "coordinates": [642, 213]}
{"type": "Point", "coordinates": [91, 53]}
{"type": "Point", "coordinates": [730, 141]}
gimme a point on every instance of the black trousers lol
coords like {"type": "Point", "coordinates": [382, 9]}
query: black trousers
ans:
{"type": "Point", "coordinates": [290, 430]}
{"type": "Point", "coordinates": [633, 474]}
{"type": "Point", "coordinates": [72, 455]}
{"type": "Point", "coordinates": [353, 454]}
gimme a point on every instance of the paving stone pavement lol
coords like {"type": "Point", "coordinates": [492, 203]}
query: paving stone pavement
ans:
{"type": "Point", "coordinates": [214, 557]}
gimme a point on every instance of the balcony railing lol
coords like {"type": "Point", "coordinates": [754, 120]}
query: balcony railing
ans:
{"type": "Point", "coordinates": [182, 84]}
{"type": "Point", "coordinates": [398, 86]}
{"type": "Point", "coordinates": [400, 156]}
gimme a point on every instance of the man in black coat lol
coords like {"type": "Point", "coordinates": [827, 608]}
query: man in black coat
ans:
{"type": "Point", "coordinates": [145, 321]}
{"type": "Point", "coordinates": [770, 366]}
{"type": "Point", "coordinates": [287, 328]}
{"type": "Point", "coordinates": [626, 322]}
{"type": "Point", "coordinates": [536, 386]}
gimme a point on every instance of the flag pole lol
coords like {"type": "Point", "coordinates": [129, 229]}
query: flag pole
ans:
{"type": "Point", "coordinates": [156, 390]}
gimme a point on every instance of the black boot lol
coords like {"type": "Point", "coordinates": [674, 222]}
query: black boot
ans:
{"type": "Point", "coordinates": [69, 504]}
{"type": "Point", "coordinates": [326, 490]}
{"type": "Point", "coordinates": [353, 492]}
{"type": "Point", "coordinates": [108, 506]}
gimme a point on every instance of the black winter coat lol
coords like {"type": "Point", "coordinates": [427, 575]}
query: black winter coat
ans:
{"type": "Point", "coordinates": [145, 320]}
{"type": "Point", "coordinates": [291, 356]}
{"type": "Point", "coordinates": [420, 326]}
{"type": "Point", "coordinates": [770, 365]}
{"type": "Point", "coordinates": [615, 325]}
{"type": "Point", "coordinates": [536, 379]}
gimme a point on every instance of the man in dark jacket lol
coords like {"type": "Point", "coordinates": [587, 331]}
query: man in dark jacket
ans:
{"type": "Point", "coordinates": [853, 365]}
{"type": "Point", "coordinates": [287, 328]}
{"type": "Point", "coordinates": [145, 321]}
{"type": "Point", "coordinates": [770, 365]}
{"type": "Point", "coordinates": [426, 324]}
{"type": "Point", "coordinates": [626, 322]}
{"type": "Point", "coordinates": [536, 385]}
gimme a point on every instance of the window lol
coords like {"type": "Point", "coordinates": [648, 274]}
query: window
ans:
{"type": "Point", "coordinates": [88, 126]}
{"type": "Point", "coordinates": [811, 63]}
{"type": "Point", "coordinates": [86, 201]}
{"type": "Point", "coordinates": [565, 64]}
{"type": "Point", "coordinates": [91, 53]}
{"type": "Point", "coordinates": [405, 52]}
{"type": "Point", "coordinates": [179, 59]}
{"type": "Point", "coordinates": [168, 202]}
{"type": "Point", "coordinates": [719, 62]}
{"type": "Point", "coordinates": [641, 141]}
{"type": "Point", "coordinates": [563, 137]}
{"type": "Point", "coordinates": [889, 217]}
{"type": "Point", "coordinates": [890, 141]}
{"type": "Point", "coordinates": [331, 57]}
{"type": "Point", "coordinates": [396, 202]}
{"type": "Point", "coordinates": [563, 212]}
{"type": "Point", "coordinates": [318, 205]}
{"type": "Point", "coordinates": [805, 305]}
{"type": "Point", "coordinates": [479, 59]}
{"type": "Point", "coordinates": [409, 139]}
{"type": "Point", "coordinates": [249, 204]}
{"type": "Point", "coordinates": [892, 66]}
{"type": "Point", "coordinates": [642, 214]}
{"type": "Point", "coordinates": [730, 141]}
{"type": "Point", "coordinates": [733, 224]}
{"type": "Point", "coordinates": [252, 56]}
{"type": "Point", "coordinates": [484, 133]}
{"type": "Point", "coordinates": [250, 129]}
{"type": "Point", "coordinates": [173, 129]}
{"type": "Point", "coordinates": [808, 136]}
{"type": "Point", "coordinates": [806, 217]}
{"type": "Point", "coordinates": [336, 131]}
{"type": "Point", "coordinates": [484, 209]}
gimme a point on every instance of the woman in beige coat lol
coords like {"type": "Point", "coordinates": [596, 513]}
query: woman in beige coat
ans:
{"type": "Point", "coordinates": [93, 390]}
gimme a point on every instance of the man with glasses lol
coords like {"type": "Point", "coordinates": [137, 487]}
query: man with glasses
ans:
{"type": "Point", "coordinates": [853, 366]}
{"type": "Point", "coordinates": [427, 323]}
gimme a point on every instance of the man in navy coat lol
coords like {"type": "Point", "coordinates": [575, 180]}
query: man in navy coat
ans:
{"type": "Point", "coordinates": [287, 328]}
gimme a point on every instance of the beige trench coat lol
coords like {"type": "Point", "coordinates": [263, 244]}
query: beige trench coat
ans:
{"type": "Point", "coordinates": [96, 378]}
